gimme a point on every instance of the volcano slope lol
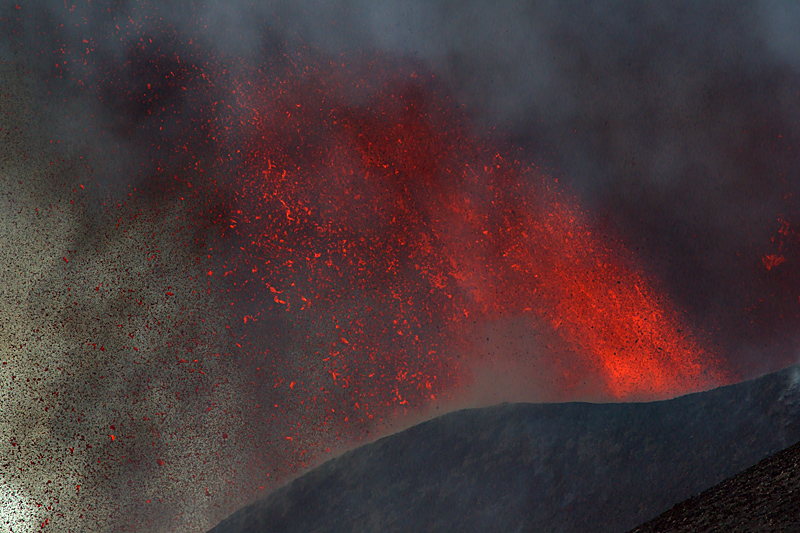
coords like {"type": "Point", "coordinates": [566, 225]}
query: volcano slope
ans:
{"type": "Point", "coordinates": [765, 497]}
{"type": "Point", "coordinates": [539, 467]}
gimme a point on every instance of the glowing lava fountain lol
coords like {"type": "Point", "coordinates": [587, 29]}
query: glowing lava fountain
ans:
{"type": "Point", "coordinates": [374, 236]}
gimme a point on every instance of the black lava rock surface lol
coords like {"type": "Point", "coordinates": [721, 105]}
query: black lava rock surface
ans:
{"type": "Point", "coordinates": [539, 467]}
{"type": "Point", "coordinates": [765, 497]}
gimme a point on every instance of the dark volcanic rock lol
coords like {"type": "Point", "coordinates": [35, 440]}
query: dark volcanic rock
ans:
{"type": "Point", "coordinates": [549, 467]}
{"type": "Point", "coordinates": [765, 497]}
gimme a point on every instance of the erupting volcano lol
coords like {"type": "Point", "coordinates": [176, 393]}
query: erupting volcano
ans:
{"type": "Point", "coordinates": [241, 238]}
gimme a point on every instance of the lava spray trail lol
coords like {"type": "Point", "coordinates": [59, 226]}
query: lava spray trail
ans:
{"type": "Point", "coordinates": [374, 241]}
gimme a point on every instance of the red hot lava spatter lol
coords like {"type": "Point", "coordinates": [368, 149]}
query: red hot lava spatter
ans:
{"type": "Point", "coordinates": [375, 235]}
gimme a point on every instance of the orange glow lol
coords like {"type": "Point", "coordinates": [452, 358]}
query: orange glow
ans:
{"type": "Point", "coordinates": [603, 309]}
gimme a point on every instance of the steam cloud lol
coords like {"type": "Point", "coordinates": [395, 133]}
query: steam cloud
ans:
{"type": "Point", "coordinates": [676, 125]}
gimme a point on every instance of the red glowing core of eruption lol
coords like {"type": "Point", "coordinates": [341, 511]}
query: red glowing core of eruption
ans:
{"type": "Point", "coordinates": [384, 235]}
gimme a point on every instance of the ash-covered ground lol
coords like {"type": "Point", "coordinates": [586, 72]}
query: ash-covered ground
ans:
{"type": "Point", "coordinates": [762, 498]}
{"type": "Point", "coordinates": [562, 467]}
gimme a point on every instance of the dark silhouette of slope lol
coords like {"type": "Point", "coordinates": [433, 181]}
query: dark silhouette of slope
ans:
{"type": "Point", "coordinates": [765, 497]}
{"type": "Point", "coordinates": [539, 467]}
